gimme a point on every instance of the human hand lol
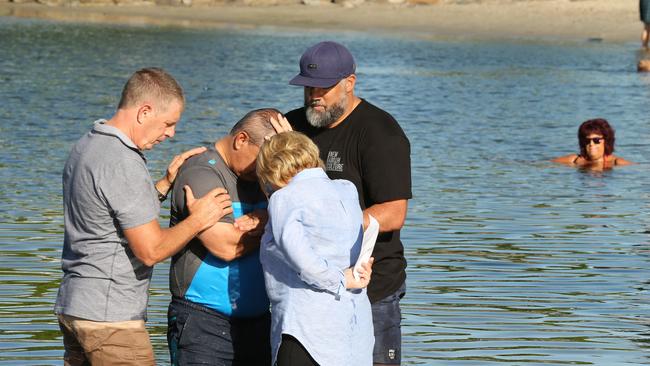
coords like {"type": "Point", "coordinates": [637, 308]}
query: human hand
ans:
{"type": "Point", "coordinates": [253, 222]}
{"type": "Point", "coordinates": [209, 209]}
{"type": "Point", "coordinates": [178, 160]}
{"type": "Point", "coordinates": [281, 124]}
{"type": "Point", "coordinates": [364, 273]}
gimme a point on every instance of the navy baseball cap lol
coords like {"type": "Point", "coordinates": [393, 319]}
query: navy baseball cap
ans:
{"type": "Point", "coordinates": [323, 65]}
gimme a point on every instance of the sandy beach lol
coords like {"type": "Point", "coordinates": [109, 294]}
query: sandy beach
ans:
{"type": "Point", "coordinates": [536, 20]}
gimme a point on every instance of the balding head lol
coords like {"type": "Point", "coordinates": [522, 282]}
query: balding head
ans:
{"type": "Point", "coordinates": [240, 148]}
{"type": "Point", "coordinates": [256, 124]}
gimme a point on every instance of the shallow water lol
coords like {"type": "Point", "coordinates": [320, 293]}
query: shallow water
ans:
{"type": "Point", "coordinates": [512, 260]}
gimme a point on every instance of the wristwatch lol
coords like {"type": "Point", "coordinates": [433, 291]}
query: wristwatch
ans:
{"type": "Point", "coordinates": [161, 197]}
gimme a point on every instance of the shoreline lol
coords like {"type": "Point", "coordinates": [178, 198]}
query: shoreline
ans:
{"type": "Point", "coordinates": [531, 20]}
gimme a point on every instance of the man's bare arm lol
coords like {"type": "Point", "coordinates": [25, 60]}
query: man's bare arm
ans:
{"type": "Point", "coordinates": [390, 215]}
{"type": "Point", "coordinates": [152, 244]}
{"type": "Point", "coordinates": [227, 242]}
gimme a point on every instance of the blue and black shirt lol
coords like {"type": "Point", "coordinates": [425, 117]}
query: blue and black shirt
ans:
{"type": "Point", "coordinates": [234, 288]}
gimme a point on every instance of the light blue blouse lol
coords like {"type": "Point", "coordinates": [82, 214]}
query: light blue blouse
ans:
{"type": "Point", "coordinates": [313, 234]}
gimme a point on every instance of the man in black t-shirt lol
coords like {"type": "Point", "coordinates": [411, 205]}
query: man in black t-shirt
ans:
{"type": "Point", "coordinates": [365, 145]}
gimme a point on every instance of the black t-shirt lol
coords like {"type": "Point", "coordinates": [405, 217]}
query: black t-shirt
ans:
{"type": "Point", "coordinates": [369, 149]}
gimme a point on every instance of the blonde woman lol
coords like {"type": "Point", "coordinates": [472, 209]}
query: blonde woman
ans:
{"type": "Point", "coordinates": [320, 313]}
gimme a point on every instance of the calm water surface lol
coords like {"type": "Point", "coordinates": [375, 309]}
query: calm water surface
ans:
{"type": "Point", "coordinates": [512, 260]}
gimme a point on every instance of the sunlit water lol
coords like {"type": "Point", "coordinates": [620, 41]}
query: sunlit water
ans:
{"type": "Point", "coordinates": [512, 260]}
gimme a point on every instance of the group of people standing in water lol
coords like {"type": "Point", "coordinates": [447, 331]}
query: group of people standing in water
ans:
{"type": "Point", "coordinates": [266, 230]}
{"type": "Point", "coordinates": [264, 259]}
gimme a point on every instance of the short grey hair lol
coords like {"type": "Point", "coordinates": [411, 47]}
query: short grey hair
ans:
{"type": "Point", "coordinates": [154, 83]}
{"type": "Point", "coordinates": [257, 124]}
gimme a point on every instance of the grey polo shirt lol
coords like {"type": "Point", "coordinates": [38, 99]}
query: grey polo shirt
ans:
{"type": "Point", "coordinates": [106, 189]}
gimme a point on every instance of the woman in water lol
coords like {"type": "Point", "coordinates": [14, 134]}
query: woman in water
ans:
{"type": "Point", "coordinates": [596, 140]}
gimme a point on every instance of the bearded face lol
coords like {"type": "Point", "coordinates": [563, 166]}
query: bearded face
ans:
{"type": "Point", "coordinates": [325, 106]}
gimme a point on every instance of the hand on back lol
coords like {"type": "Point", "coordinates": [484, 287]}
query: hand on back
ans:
{"type": "Point", "coordinates": [209, 209]}
{"type": "Point", "coordinates": [178, 160]}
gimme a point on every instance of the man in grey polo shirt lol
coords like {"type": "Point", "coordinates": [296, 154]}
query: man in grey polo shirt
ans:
{"type": "Point", "coordinates": [112, 236]}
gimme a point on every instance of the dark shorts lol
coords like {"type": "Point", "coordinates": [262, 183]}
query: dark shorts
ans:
{"type": "Point", "coordinates": [644, 11]}
{"type": "Point", "coordinates": [387, 319]}
{"type": "Point", "coordinates": [199, 335]}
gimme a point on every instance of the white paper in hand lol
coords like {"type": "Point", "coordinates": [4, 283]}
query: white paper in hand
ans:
{"type": "Point", "coordinates": [368, 244]}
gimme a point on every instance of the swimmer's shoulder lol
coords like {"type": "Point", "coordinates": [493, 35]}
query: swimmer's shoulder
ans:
{"type": "Point", "coordinates": [567, 159]}
{"type": "Point", "coordinates": [619, 161]}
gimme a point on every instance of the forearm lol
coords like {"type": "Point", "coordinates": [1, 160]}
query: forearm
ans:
{"type": "Point", "coordinates": [312, 268]}
{"type": "Point", "coordinates": [321, 276]}
{"type": "Point", "coordinates": [294, 244]}
{"type": "Point", "coordinates": [152, 244]}
{"type": "Point", "coordinates": [157, 244]}
{"type": "Point", "coordinates": [228, 243]}
{"type": "Point", "coordinates": [390, 215]}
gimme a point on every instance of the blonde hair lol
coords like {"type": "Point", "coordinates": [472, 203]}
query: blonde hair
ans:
{"type": "Point", "coordinates": [285, 155]}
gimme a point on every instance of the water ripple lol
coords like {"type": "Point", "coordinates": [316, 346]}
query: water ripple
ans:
{"type": "Point", "coordinates": [512, 260]}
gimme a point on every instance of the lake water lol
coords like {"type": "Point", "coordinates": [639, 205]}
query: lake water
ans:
{"type": "Point", "coordinates": [512, 260]}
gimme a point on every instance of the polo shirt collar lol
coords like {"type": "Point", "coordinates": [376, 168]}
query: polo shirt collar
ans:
{"type": "Point", "coordinates": [104, 129]}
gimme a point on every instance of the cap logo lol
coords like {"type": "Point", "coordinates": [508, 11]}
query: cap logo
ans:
{"type": "Point", "coordinates": [312, 66]}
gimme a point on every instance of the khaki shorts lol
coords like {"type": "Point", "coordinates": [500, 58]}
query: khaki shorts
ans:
{"type": "Point", "coordinates": [105, 343]}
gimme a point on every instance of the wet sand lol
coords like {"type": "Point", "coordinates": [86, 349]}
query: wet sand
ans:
{"type": "Point", "coordinates": [540, 20]}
